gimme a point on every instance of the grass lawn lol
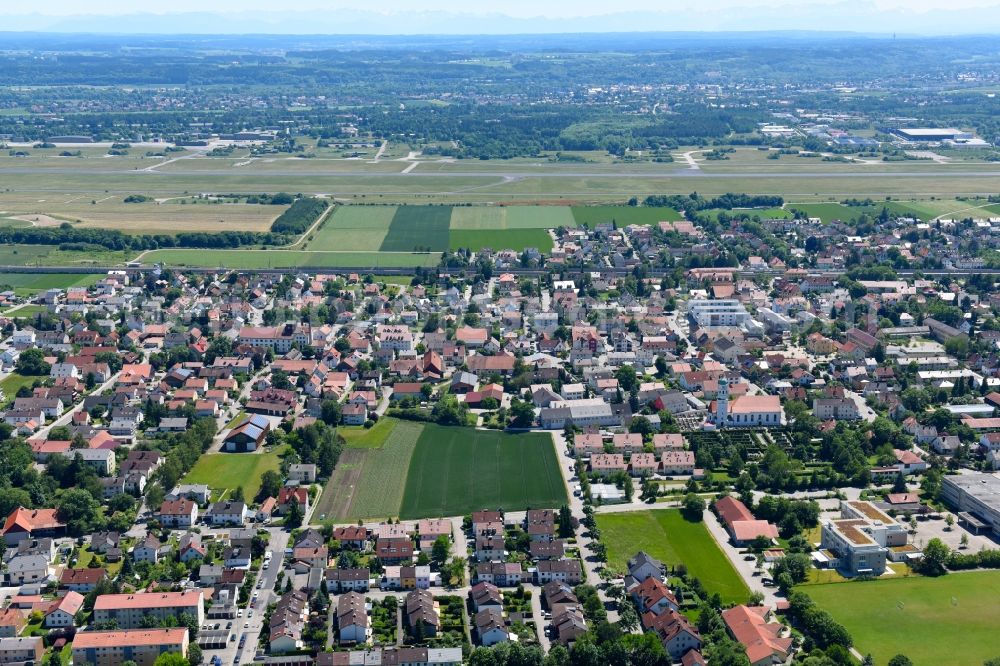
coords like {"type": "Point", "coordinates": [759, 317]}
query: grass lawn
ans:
{"type": "Point", "coordinates": [946, 620]}
{"type": "Point", "coordinates": [369, 479]}
{"type": "Point", "coordinates": [29, 310]}
{"type": "Point", "coordinates": [413, 227]}
{"type": "Point", "coordinates": [236, 420]}
{"type": "Point", "coordinates": [504, 239]}
{"type": "Point", "coordinates": [828, 212]}
{"type": "Point", "coordinates": [667, 536]}
{"type": "Point", "coordinates": [360, 437]}
{"type": "Point", "coordinates": [455, 471]}
{"type": "Point", "coordinates": [623, 215]}
{"type": "Point", "coordinates": [230, 470]}
{"type": "Point", "coordinates": [12, 382]}
{"type": "Point", "coordinates": [250, 259]}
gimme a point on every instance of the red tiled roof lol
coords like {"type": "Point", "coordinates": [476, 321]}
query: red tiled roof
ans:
{"type": "Point", "coordinates": [30, 520]}
{"type": "Point", "coordinates": [131, 637]}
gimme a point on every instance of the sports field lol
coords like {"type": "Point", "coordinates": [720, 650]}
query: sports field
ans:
{"type": "Point", "coordinates": [420, 228]}
{"type": "Point", "coordinates": [667, 536]}
{"type": "Point", "coordinates": [227, 471]}
{"type": "Point", "coordinates": [623, 216]}
{"type": "Point", "coordinates": [946, 620]}
{"type": "Point", "coordinates": [371, 474]}
{"type": "Point", "coordinates": [455, 471]}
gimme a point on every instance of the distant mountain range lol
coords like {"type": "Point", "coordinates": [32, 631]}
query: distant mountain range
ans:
{"type": "Point", "coordinates": [856, 17]}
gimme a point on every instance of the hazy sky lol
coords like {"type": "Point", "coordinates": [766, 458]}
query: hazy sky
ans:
{"type": "Point", "coordinates": [517, 8]}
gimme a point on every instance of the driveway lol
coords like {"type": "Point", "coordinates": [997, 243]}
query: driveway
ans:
{"type": "Point", "coordinates": [745, 568]}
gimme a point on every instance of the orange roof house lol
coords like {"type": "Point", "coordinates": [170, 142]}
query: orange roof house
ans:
{"type": "Point", "coordinates": [761, 639]}
{"type": "Point", "coordinates": [25, 523]}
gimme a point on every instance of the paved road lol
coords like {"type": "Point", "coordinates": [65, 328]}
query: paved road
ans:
{"type": "Point", "coordinates": [233, 653]}
{"type": "Point", "coordinates": [67, 416]}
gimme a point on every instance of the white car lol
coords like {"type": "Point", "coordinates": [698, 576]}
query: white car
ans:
{"type": "Point", "coordinates": [246, 625]}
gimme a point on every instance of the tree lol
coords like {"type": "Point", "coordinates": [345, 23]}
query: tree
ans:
{"type": "Point", "coordinates": [900, 660]}
{"type": "Point", "coordinates": [154, 496]}
{"type": "Point", "coordinates": [565, 522]}
{"type": "Point", "coordinates": [522, 414]}
{"type": "Point", "coordinates": [330, 412]}
{"type": "Point", "coordinates": [693, 507]}
{"type": "Point", "coordinates": [294, 516]}
{"type": "Point", "coordinates": [626, 377]}
{"type": "Point", "coordinates": [949, 520]}
{"type": "Point", "coordinates": [441, 550]}
{"type": "Point", "coordinates": [194, 654]}
{"type": "Point", "coordinates": [12, 498]}
{"type": "Point", "coordinates": [78, 509]}
{"type": "Point", "coordinates": [270, 485]}
{"type": "Point", "coordinates": [171, 659]}
{"type": "Point", "coordinates": [936, 554]}
{"type": "Point", "coordinates": [32, 362]}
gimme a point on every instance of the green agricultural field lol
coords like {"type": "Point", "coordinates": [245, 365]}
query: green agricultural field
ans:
{"type": "Point", "coordinates": [227, 471]}
{"type": "Point", "coordinates": [418, 227]}
{"type": "Point", "coordinates": [539, 217]}
{"type": "Point", "coordinates": [455, 471]}
{"type": "Point", "coordinates": [915, 616]}
{"type": "Point", "coordinates": [667, 536]}
{"type": "Point", "coordinates": [353, 228]}
{"type": "Point", "coordinates": [250, 259]}
{"type": "Point", "coordinates": [487, 218]}
{"type": "Point", "coordinates": [371, 473]}
{"type": "Point", "coordinates": [512, 239]}
{"type": "Point", "coordinates": [27, 284]}
{"type": "Point", "coordinates": [623, 215]}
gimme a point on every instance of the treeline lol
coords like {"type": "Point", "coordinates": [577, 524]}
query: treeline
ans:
{"type": "Point", "coordinates": [299, 216]}
{"type": "Point", "coordinates": [68, 237]}
{"type": "Point", "coordinates": [729, 201]}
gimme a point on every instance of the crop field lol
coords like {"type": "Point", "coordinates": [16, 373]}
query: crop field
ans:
{"type": "Point", "coordinates": [539, 217]}
{"type": "Point", "coordinates": [353, 228]}
{"type": "Point", "coordinates": [27, 284]}
{"type": "Point", "coordinates": [623, 216]}
{"type": "Point", "coordinates": [667, 536]}
{"type": "Point", "coordinates": [485, 218]}
{"type": "Point", "coordinates": [914, 616]}
{"type": "Point", "coordinates": [515, 239]}
{"type": "Point", "coordinates": [421, 228]}
{"type": "Point", "coordinates": [455, 471]}
{"type": "Point", "coordinates": [227, 471]}
{"type": "Point", "coordinates": [371, 474]}
{"type": "Point", "coordinates": [250, 259]}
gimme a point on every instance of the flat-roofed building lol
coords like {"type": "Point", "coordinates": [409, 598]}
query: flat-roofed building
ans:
{"type": "Point", "coordinates": [143, 646]}
{"type": "Point", "coordinates": [975, 494]}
